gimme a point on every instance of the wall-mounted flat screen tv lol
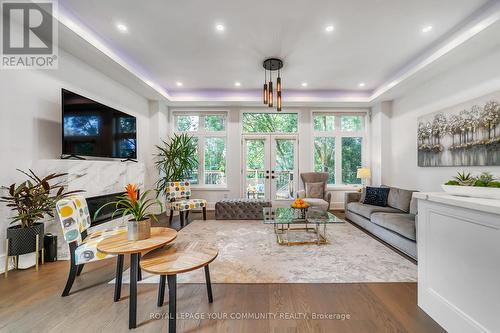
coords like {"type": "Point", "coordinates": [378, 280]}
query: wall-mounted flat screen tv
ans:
{"type": "Point", "coordinates": [93, 129]}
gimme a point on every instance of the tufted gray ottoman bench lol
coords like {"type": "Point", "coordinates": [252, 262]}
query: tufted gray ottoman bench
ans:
{"type": "Point", "coordinates": [240, 209]}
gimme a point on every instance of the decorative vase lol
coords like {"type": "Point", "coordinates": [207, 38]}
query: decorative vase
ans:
{"type": "Point", "coordinates": [23, 240]}
{"type": "Point", "coordinates": [139, 230]}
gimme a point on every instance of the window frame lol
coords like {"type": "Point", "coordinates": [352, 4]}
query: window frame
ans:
{"type": "Point", "coordinates": [338, 134]}
{"type": "Point", "coordinates": [243, 111]}
{"type": "Point", "coordinates": [201, 134]}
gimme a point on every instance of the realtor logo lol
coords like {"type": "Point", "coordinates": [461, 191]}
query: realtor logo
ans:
{"type": "Point", "coordinates": [28, 34]}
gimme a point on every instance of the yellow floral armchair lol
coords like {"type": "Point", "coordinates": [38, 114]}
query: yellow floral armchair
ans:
{"type": "Point", "coordinates": [178, 196]}
{"type": "Point", "coordinates": [73, 214]}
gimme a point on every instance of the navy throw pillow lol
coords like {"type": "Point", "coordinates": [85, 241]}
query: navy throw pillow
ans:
{"type": "Point", "coordinates": [376, 196]}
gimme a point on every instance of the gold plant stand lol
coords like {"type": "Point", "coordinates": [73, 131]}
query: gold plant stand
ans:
{"type": "Point", "coordinates": [16, 257]}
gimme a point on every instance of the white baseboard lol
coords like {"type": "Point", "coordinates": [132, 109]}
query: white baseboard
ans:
{"type": "Point", "coordinates": [337, 205]}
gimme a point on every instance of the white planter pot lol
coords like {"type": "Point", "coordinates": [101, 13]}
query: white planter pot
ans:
{"type": "Point", "coordinates": [472, 191]}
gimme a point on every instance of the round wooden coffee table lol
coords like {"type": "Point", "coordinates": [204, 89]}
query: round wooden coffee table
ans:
{"type": "Point", "coordinates": [120, 245]}
{"type": "Point", "coordinates": [176, 258]}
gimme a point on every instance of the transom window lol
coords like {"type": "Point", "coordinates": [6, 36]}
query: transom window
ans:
{"type": "Point", "coordinates": [270, 122]}
{"type": "Point", "coordinates": [338, 145]}
{"type": "Point", "coordinates": [208, 130]}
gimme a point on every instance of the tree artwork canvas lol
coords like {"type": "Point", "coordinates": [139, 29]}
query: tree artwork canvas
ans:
{"type": "Point", "coordinates": [461, 136]}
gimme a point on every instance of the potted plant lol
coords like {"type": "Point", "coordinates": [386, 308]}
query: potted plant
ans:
{"type": "Point", "coordinates": [483, 186]}
{"type": "Point", "coordinates": [176, 160]}
{"type": "Point", "coordinates": [32, 200]}
{"type": "Point", "coordinates": [139, 226]}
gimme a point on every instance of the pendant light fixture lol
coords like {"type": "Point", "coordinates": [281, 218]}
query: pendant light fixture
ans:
{"type": "Point", "coordinates": [270, 87]}
{"type": "Point", "coordinates": [265, 92]}
{"type": "Point", "coordinates": [278, 92]}
{"type": "Point", "coordinates": [272, 65]}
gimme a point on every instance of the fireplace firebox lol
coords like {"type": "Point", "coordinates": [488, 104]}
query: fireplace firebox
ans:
{"type": "Point", "coordinates": [105, 215]}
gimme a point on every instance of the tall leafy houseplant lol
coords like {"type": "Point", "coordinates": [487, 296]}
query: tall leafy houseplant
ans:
{"type": "Point", "coordinates": [32, 200]}
{"type": "Point", "coordinates": [175, 160]}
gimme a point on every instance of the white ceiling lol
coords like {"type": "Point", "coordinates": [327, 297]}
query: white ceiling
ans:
{"type": "Point", "coordinates": [170, 41]}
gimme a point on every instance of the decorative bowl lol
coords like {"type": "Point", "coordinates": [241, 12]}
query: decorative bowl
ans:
{"type": "Point", "coordinates": [472, 191]}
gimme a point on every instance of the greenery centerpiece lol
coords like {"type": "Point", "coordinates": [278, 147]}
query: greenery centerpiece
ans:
{"type": "Point", "coordinates": [176, 160]}
{"type": "Point", "coordinates": [131, 203]}
{"type": "Point", "coordinates": [465, 184]}
{"type": "Point", "coordinates": [32, 200]}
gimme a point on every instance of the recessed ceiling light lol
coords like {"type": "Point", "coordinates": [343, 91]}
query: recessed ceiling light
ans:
{"type": "Point", "coordinates": [361, 84]}
{"type": "Point", "coordinates": [178, 84]}
{"type": "Point", "coordinates": [237, 84]}
{"type": "Point", "coordinates": [220, 27]}
{"type": "Point", "coordinates": [427, 28]}
{"type": "Point", "coordinates": [304, 84]}
{"type": "Point", "coordinates": [329, 28]}
{"type": "Point", "coordinates": [121, 27]}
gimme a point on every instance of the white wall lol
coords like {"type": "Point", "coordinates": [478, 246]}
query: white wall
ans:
{"type": "Point", "coordinates": [380, 136]}
{"type": "Point", "coordinates": [30, 116]}
{"type": "Point", "coordinates": [457, 87]}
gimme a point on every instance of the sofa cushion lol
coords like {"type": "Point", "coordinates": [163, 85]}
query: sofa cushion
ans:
{"type": "Point", "coordinates": [367, 210]}
{"type": "Point", "coordinates": [399, 198]}
{"type": "Point", "coordinates": [376, 196]}
{"type": "Point", "coordinates": [363, 194]}
{"type": "Point", "coordinates": [403, 224]}
{"type": "Point", "coordinates": [320, 203]}
{"type": "Point", "coordinates": [315, 190]}
{"type": "Point", "coordinates": [413, 206]}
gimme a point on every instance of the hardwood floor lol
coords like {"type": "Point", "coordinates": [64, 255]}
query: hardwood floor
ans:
{"type": "Point", "coordinates": [30, 302]}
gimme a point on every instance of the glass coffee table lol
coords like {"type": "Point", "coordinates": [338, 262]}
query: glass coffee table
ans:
{"type": "Point", "coordinates": [287, 220]}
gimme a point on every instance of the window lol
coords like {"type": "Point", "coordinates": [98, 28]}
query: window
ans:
{"type": "Point", "coordinates": [351, 159]}
{"type": "Point", "coordinates": [270, 123]}
{"type": "Point", "coordinates": [338, 146]}
{"type": "Point", "coordinates": [324, 156]}
{"type": "Point", "coordinates": [324, 123]}
{"type": "Point", "coordinates": [208, 130]}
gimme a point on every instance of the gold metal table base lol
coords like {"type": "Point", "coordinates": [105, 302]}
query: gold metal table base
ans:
{"type": "Point", "coordinates": [282, 232]}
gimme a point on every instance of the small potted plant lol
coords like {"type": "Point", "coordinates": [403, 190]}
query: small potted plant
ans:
{"type": "Point", "coordinates": [139, 225]}
{"type": "Point", "coordinates": [483, 186]}
{"type": "Point", "coordinates": [32, 200]}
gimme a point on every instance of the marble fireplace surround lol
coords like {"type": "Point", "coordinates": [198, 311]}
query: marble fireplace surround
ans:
{"type": "Point", "coordinates": [95, 178]}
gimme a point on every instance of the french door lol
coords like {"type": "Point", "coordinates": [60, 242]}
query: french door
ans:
{"type": "Point", "coordinates": [270, 166]}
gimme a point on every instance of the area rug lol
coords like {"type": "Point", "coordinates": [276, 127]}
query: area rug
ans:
{"type": "Point", "coordinates": [248, 253]}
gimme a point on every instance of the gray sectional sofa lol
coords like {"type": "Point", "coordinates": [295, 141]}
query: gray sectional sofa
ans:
{"type": "Point", "coordinates": [395, 224]}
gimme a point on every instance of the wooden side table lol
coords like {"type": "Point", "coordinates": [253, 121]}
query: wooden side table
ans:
{"type": "Point", "coordinates": [173, 259]}
{"type": "Point", "coordinates": [119, 244]}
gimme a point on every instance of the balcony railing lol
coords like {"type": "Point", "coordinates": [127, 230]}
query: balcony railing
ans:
{"type": "Point", "coordinates": [283, 182]}
{"type": "Point", "coordinates": [215, 177]}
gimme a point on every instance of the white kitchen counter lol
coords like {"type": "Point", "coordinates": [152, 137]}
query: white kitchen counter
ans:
{"type": "Point", "coordinates": [458, 240]}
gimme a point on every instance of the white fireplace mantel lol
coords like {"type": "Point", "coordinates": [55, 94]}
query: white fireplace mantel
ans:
{"type": "Point", "coordinates": [458, 243]}
{"type": "Point", "coordinates": [95, 178]}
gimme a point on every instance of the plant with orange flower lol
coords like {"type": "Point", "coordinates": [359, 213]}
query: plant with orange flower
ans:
{"type": "Point", "coordinates": [133, 204]}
